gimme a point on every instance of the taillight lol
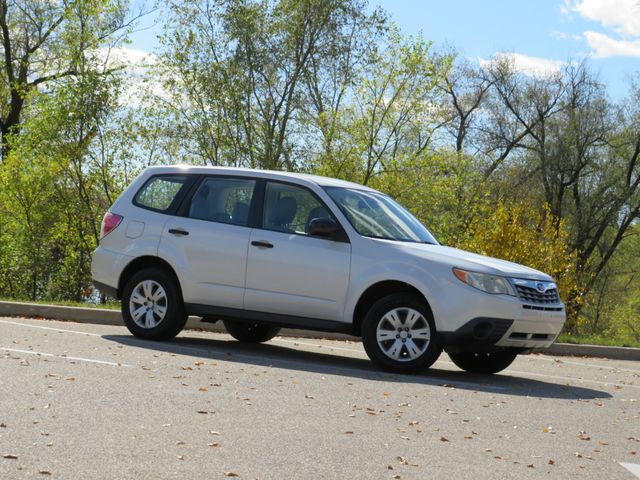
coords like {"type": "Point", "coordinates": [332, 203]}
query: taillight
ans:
{"type": "Point", "coordinates": [109, 223]}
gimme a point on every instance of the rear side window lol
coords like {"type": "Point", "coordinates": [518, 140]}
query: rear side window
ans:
{"type": "Point", "coordinates": [159, 192]}
{"type": "Point", "coordinates": [224, 200]}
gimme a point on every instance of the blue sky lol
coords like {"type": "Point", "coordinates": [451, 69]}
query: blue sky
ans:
{"type": "Point", "coordinates": [541, 34]}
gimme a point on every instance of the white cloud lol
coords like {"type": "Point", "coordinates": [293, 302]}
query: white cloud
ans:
{"type": "Point", "coordinates": [532, 66]}
{"type": "Point", "coordinates": [623, 16]}
{"type": "Point", "coordinates": [135, 64]}
{"type": "Point", "coordinates": [605, 46]}
{"type": "Point", "coordinates": [619, 17]}
{"type": "Point", "coordinates": [565, 36]}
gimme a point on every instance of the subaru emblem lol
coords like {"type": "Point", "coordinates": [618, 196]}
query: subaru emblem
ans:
{"type": "Point", "coordinates": [541, 287]}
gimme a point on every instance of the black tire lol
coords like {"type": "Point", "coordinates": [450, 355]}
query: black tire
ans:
{"type": "Point", "coordinates": [375, 317]}
{"type": "Point", "coordinates": [474, 362]}
{"type": "Point", "coordinates": [250, 332]}
{"type": "Point", "coordinates": [175, 316]}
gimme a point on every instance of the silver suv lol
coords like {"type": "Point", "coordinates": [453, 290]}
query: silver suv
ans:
{"type": "Point", "coordinates": [261, 250]}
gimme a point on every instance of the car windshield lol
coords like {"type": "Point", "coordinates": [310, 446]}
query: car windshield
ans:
{"type": "Point", "coordinates": [378, 216]}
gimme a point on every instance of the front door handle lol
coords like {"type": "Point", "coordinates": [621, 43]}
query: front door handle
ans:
{"type": "Point", "coordinates": [178, 231]}
{"type": "Point", "coordinates": [262, 243]}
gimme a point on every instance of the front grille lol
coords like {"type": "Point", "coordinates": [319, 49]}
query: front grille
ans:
{"type": "Point", "coordinates": [542, 309]}
{"type": "Point", "coordinates": [532, 295]}
{"type": "Point", "coordinates": [529, 336]}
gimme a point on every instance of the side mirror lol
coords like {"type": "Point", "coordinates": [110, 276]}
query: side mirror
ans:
{"type": "Point", "coordinates": [323, 227]}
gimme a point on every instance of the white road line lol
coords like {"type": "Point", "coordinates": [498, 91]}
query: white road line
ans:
{"type": "Point", "coordinates": [632, 467]}
{"type": "Point", "coordinates": [65, 357]}
{"type": "Point", "coordinates": [50, 328]}
{"type": "Point", "coordinates": [580, 364]}
{"type": "Point", "coordinates": [353, 350]}
{"type": "Point", "coordinates": [572, 379]}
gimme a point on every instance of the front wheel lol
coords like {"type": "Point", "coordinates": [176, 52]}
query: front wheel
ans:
{"type": "Point", "coordinates": [476, 362]}
{"type": "Point", "coordinates": [399, 335]}
{"type": "Point", "coordinates": [250, 332]}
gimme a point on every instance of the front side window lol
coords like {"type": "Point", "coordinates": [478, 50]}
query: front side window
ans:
{"type": "Point", "coordinates": [159, 192]}
{"type": "Point", "coordinates": [375, 215]}
{"type": "Point", "coordinates": [224, 200]}
{"type": "Point", "coordinates": [290, 209]}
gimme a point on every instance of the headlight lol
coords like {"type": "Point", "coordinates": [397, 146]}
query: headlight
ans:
{"type": "Point", "coordinates": [487, 283]}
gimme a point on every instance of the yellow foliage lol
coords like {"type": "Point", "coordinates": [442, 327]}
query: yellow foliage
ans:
{"type": "Point", "coordinates": [521, 233]}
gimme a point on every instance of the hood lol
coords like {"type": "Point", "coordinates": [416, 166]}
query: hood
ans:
{"type": "Point", "coordinates": [472, 261]}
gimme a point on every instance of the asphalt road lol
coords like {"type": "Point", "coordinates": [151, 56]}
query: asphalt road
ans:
{"type": "Point", "coordinates": [84, 401]}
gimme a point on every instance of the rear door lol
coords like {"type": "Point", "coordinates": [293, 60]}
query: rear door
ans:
{"type": "Point", "coordinates": [289, 271]}
{"type": "Point", "coordinates": [209, 242]}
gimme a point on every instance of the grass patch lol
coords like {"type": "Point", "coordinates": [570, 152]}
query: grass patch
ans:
{"type": "Point", "coordinates": [598, 340]}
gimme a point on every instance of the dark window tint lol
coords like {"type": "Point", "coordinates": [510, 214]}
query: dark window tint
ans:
{"type": "Point", "coordinates": [290, 209]}
{"type": "Point", "coordinates": [159, 192]}
{"type": "Point", "coordinates": [225, 200]}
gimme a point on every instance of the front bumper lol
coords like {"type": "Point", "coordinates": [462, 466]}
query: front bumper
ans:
{"type": "Point", "coordinates": [535, 327]}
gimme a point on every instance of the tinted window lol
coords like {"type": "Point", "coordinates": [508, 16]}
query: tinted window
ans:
{"type": "Point", "coordinates": [159, 192]}
{"type": "Point", "coordinates": [225, 200]}
{"type": "Point", "coordinates": [290, 209]}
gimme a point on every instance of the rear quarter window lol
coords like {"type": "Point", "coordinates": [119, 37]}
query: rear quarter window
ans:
{"type": "Point", "coordinates": [159, 192]}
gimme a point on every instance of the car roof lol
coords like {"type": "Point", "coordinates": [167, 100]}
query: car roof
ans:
{"type": "Point", "coordinates": [250, 172]}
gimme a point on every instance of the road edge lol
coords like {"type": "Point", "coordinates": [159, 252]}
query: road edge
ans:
{"type": "Point", "coordinates": [114, 317]}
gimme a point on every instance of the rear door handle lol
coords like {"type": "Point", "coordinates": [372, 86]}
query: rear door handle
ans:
{"type": "Point", "coordinates": [178, 231]}
{"type": "Point", "coordinates": [262, 243]}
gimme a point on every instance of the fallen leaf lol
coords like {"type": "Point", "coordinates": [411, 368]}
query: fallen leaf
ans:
{"type": "Point", "coordinates": [44, 472]}
{"type": "Point", "coordinates": [198, 363]}
{"type": "Point", "coordinates": [214, 445]}
{"type": "Point", "coordinates": [213, 432]}
{"type": "Point", "coordinates": [552, 462]}
{"type": "Point", "coordinates": [402, 460]}
{"type": "Point", "coordinates": [180, 442]}
{"type": "Point", "coordinates": [3, 425]}
{"type": "Point", "coordinates": [397, 477]}
{"type": "Point", "coordinates": [444, 439]}
{"type": "Point", "coordinates": [468, 437]}
{"type": "Point", "coordinates": [203, 389]}
{"type": "Point", "coordinates": [180, 457]}
{"type": "Point", "coordinates": [530, 465]}
{"type": "Point", "coordinates": [310, 397]}
{"type": "Point", "coordinates": [413, 422]}
{"type": "Point", "coordinates": [10, 456]}
{"type": "Point", "coordinates": [348, 433]}
{"type": "Point", "coordinates": [231, 474]}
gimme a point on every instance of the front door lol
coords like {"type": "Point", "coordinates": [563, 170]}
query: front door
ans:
{"type": "Point", "coordinates": [290, 272]}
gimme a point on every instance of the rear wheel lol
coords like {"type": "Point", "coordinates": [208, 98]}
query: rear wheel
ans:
{"type": "Point", "coordinates": [476, 362]}
{"type": "Point", "coordinates": [250, 332]}
{"type": "Point", "coordinates": [152, 306]}
{"type": "Point", "coordinates": [399, 335]}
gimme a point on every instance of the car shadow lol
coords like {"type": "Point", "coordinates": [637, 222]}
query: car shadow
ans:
{"type": "Point", "coordinates": [270, 355]}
